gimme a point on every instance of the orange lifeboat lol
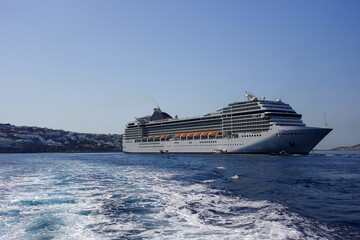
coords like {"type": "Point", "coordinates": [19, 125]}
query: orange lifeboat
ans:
{"type": "Point", "coordinates": [204, 134]}
{"type": "Point", "coordinates": [164, 136]}
{"type": "Point", "coordinates": [183, 135]}
{"type": "Point", "coordinates": [212, 133]}
{"type": "Point", "coordinates": [190, 134]}
{"type": "Point", "coordinates": [177, 135]}
{"type": "Point", "coordinates": [197, 134]}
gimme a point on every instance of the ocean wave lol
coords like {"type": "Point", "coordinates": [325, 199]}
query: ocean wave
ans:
{"type": "Point", "coordinates": [80, 200]}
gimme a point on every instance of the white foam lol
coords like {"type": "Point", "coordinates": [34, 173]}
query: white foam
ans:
{"type": "Point", "coordinates": [210, 180]}
{"type": "Point", "coordinates": [172, 209]}
{"type": "Point", "coordinates": [330, 155]}
{"type": "Point", "coordinates": [234, 177]}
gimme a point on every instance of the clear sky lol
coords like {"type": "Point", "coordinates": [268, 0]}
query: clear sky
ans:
{"type": "Point", "coordinates": [92, 66]}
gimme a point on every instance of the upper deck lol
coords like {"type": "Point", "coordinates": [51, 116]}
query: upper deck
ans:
{"type": "Point", "coordinates": [253, 115]}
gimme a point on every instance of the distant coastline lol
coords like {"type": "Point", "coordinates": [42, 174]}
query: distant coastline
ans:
{"type": "Point", "coordinates": [22, 139]}
{"type": "Point", "coordinates": [348, 148]}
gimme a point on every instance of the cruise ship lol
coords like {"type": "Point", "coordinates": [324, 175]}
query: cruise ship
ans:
{"type": "Point", "coordinates": [254, 126]}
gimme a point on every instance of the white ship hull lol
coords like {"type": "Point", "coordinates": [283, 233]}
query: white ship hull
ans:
{"type": "Point", "coordinates": [290, 139]}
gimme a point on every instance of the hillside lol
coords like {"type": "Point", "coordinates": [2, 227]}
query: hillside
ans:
{"type": "Point", "coordinates": [348, 148]}
{"type": "Point", "coordinates": [14, 139]}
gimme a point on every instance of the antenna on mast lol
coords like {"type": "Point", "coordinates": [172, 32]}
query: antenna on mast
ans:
{"type": "Point", "coordinates": [326, 125]}
{"type": "Point", "coordinates": [155, 102]}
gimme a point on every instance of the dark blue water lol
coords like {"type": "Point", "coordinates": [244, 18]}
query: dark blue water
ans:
{"type": "Point", "coordinates": [120, 196]}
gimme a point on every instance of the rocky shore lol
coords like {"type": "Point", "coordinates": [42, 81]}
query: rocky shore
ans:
{"type": "Point", "coordinates": [14, 139]}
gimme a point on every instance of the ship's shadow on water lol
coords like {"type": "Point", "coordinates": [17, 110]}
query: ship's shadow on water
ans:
{"type": "Point", "coordinates": [131, 196]}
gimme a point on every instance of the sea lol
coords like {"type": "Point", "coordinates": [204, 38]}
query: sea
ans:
{"type": "Point", "coordinates": [165, 196]}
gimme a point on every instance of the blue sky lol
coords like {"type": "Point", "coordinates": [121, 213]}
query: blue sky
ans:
{"type": "Point", "coordinates": [92, 66]}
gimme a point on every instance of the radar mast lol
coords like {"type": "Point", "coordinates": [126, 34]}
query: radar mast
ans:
{"type": "Point", "coordinates": [250, 96]}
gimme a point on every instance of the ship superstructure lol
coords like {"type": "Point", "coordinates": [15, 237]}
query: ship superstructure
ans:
{"type": "Point", "coordinates": [253, 126]}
